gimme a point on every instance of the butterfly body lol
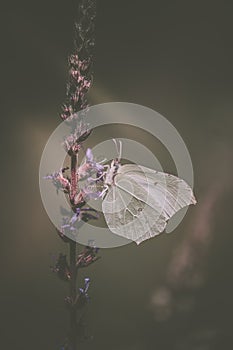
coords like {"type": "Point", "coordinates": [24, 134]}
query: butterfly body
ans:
{"type": "Point", "coordinates": [111, 173]}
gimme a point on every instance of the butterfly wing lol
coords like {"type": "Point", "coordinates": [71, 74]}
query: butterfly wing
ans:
{"type": "Point", "coordinates": [130, 217]}
{"type": "Point", "coordinates": [142, 200]}
{"type": "Point", "coordinates": [170, 192]}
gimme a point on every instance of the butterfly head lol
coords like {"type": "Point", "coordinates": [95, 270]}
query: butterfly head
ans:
{"type": "Point", "coordinates": [115, 163]}
{"type": "Point", "coordinates": [111, 172]}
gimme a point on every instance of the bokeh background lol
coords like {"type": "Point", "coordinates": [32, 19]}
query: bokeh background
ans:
{"type": "Point", "coordinates": [175, 291]}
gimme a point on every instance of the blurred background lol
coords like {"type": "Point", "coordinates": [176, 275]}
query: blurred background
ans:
{"type": "Point", "coordinates": [172, 292]}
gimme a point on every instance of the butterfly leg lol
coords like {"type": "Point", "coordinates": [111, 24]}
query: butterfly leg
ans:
{"type": "Point", "coordinates": [104, 191]}
{"type": "Point", "coordinates": [95, 179]}
{"type": "Point", "coordinates": [101, 176]}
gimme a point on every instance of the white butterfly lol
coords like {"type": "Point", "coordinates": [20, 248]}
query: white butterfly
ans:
{"type": "Point", "coordinates": [138, 201]}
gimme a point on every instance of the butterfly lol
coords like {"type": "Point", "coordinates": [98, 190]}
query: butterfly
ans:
{"type": "Point", "coordinates": [139, 201]}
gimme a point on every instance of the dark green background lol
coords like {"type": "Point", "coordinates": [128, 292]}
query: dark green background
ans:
{"type": "Point", "coordinates": [175, 291]}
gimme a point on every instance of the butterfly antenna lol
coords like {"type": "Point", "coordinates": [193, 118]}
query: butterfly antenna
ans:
{"type": "Point", "coordinates": [118, 149]}
{"type": "Point", "coordinates": [115, 142]}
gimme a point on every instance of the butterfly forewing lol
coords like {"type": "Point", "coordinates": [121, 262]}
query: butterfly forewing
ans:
{"type": "Point", "coordinates": [170, 190]}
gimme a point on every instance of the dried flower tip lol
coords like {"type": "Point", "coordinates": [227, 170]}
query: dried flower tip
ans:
{"type": "Point", "coordinates": [62, 268]}
{"type": "Point", "coordinates": [62, 235]}
{"type": "Point", "coordinates": [87, 257]}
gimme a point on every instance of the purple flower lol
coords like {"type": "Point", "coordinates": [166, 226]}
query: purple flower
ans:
{"type": "Point", "coordinates": [59, 180]}
{"type": "Point", "coordinates": [86, 283]}
{"type": "Point", "coordinates": [89, 155]}
{"type": "Point", "coordinates": [67, 226]}
{"type": "Point", "coordinates": [95, 167]}
{"type": "Point", "coordinates": [91, 171]}
{"type": "Point", "coordinates": [75, 217]}
{"type": "Point", "coordinates": [81, 214]}
{"type": "Point", "coordinates": [83, 291]}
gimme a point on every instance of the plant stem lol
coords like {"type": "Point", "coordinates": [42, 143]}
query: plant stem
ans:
{"type": "Point", "coordinates": [73, 293]}
{"type": "Point", "coordinates": [74, 182]}
{"type": "Point", "coordinates": [73, 248]}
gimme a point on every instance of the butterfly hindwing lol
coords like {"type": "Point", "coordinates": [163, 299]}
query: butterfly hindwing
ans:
{"type": "Point", "coordinates": [129, 217]}
{"type": "Point", "coordinates": [141, 200]}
